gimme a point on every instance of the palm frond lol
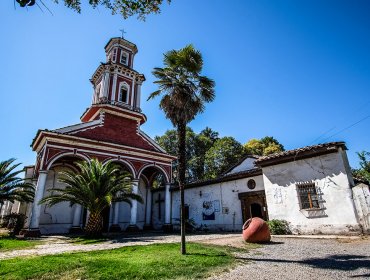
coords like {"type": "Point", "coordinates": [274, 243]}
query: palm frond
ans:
{"type": "Point", "coordinates": [13, 188]}
{"type": "Point", "coordinates": [95, 186]}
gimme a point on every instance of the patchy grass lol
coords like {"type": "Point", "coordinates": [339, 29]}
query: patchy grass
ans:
{"type": "Point", "coordinates": [8, 243]}
{"type": "Point", "coordinates": [157, 261]}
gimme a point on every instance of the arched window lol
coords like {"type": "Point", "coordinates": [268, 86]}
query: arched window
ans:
{"type": "Point", "coordinates": [114, 55]}
{"type": "Point", "coordinates": [124, 58]}
{"type": "Point", "coordinates": [123, 94]}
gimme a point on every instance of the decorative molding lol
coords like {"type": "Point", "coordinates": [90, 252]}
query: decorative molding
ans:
{"type": "Point", "coordinates": [100, 145]}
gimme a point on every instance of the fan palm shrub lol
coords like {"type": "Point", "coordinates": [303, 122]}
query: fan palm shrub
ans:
{"type": "Point", "coordinates": [95, 186]}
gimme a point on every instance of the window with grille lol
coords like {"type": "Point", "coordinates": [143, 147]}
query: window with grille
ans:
{"type": "Point", "coordinates": [308, 196]}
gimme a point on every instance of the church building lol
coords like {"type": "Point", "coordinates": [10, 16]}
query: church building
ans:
{"type": "Point", "coordinates": [311, 187]}
{"type": "Point", "coordinates": [109, 131]}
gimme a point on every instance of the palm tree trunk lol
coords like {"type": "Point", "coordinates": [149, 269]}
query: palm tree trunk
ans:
{"type": "Point", "coordinates": [181, 134]}
{"type": "Point", "coordinates": [94, 227]}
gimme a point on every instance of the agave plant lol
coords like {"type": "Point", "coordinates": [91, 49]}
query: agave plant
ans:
{"type": "Point", "coordinates": [95, 186]}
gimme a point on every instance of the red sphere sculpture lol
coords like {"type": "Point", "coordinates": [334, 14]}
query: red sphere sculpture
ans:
{"type": "Point", "coordinates": [256, 230]}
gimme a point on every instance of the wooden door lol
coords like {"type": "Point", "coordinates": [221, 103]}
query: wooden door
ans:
{"type": "Point", "coordinates": [253, 205]}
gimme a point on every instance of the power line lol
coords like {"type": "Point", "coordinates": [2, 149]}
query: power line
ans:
{"type": "Point", "coordinates": [348, 127]}
{"type": "Point", "coordinates": [359, 108]}
{"type": "Point", "coordinates": [321, 135]}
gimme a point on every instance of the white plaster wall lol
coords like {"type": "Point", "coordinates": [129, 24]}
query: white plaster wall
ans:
{"type": "Point", "coordinates": [125, 209]}
{"type": "Point", "coordinates": [141, 206]}
{"type": "Point", "coordinates": [331, 178]}
{"type": "Point", "coordinates": [361, 196]}
{"type": "Point", "coordinates": [247, 164]}
{"type": "Point", "coordinates": [124, 215]}
{"type": "Point", "coordinates": [57, 218]}
{"type": "Point", "coordinates": [227, 195]}
{"type": "Point", "coordinates": [158, 220]}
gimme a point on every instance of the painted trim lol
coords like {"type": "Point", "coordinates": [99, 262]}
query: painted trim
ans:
{"type": "Point", "coordinates": [151, 141]}
{"type": "Point", "coordinates": [156, 166]}
{"type": "Point", "coordinates": [53, 159]}
{"type": "Point", "coordinates": [124, 162]}
{"type": "Point", "coordinates": [94, 152]}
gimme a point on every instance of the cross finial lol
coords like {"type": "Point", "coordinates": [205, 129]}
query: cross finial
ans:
{"type": "Point", "coordinates": [123, 32]}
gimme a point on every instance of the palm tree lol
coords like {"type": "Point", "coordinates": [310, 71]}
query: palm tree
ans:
{"type": "Point", "coordinates": [13, 188]}
{"type": "Point", "coordinates": [184, 93]}
{"type": "Point", "coordinates": [95, 187]}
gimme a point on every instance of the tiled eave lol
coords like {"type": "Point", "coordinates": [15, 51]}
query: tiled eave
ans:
{"type": "Point", "coordinates": [301, 153]}
{"type": "Point", "coordinates": [225, 178]}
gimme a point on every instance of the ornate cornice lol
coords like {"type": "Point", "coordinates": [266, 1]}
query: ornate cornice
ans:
{"type": "Point", "coordinates": [116, 68]}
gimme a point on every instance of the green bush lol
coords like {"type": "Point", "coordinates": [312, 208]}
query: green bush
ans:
{"type": "Point", "coordinates": [279, 227]}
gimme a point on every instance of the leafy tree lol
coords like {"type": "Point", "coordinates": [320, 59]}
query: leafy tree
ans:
{"type": "Point", "coordinates": [224, 153]}
{"type": "Point", "coordinates": [196, 147]}
{"type": "Point", "coordinates": [363, 172]}
{"type": "Point", "coordinates": [95, 187]}
{"type": "Point", "coordinates": [265, 146]}
{"type": "Point", "coordinates": [204, 141]}
{"type": "Point", "coordinates": [184, 93]}
{"type": "Point", "coordinates": [126, 8]}
{"type": "Point", "coordinates": [13, 188]}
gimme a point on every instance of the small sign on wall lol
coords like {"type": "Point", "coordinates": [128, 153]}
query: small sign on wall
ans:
{"type": "Point", "coordinates": [208, 210]}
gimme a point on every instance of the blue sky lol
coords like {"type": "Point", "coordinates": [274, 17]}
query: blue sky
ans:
{"type": "Point", "coordinates": [295, 70]}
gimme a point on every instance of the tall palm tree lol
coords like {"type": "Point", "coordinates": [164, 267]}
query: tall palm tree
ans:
{"type": "Point", "coordinates": [184, 93]}
{"type": "Point", "coordinates": [95, 187]}
{"type": "Point", "coordinates": [13, 188]}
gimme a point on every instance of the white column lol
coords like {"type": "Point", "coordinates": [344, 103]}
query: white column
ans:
{"type": "Point", "coordinates": [132, 94]}
{"type": "Point", "coordinates": [148, 215]}
{"type": "Point", "coordinates": [36, 208]}
{"type": "Point", "coordinates": [114, 87]}
{"type": "Point", "coordinates": [138, 95]}
{"type": "Point", "coordinates": [105, 85]}
{"type": "Point", "coordinates": [167, 215]}
{"type": "Point", "coordinates": [116, 213]}
{"type": "Point", "coordinates": [77, 216]}
{"type": "Point", "coordinates": [135, 190]}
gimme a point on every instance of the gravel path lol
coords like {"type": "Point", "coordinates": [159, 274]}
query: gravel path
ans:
{"type": "Point", "coordinates": [298, 258]}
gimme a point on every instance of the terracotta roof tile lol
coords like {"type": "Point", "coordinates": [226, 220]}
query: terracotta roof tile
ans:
{"type": "Point", "coordinates": [307, 151]}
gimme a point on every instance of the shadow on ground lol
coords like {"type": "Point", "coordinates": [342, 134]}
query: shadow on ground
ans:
{"type": "Point", "coordinates": [338, 262]}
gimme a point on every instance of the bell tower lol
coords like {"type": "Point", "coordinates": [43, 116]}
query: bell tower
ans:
{"type": "Point", "coordinates": [115, 82]}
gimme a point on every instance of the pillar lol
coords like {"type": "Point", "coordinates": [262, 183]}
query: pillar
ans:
{"type": "Point", "coordinates": [167, 215]}
{"type": "Point", "coordinates": [133, 219]}
{"type": "Point", "coordinates": [138, 95]}
{"type": "Point", "coordinates": [76, 223]}
{"type": "Point", "coordinates": [34, 230]}
{"type": "Point", "coordinates": [148, 214]}
{"type": "Point", "coordinates": [115, 226]}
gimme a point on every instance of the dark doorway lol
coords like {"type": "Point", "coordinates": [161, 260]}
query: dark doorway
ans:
{"type": "Point", "coordinates": [253, 205]}
{"type": "Point", "coordinates": [256, 210]}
